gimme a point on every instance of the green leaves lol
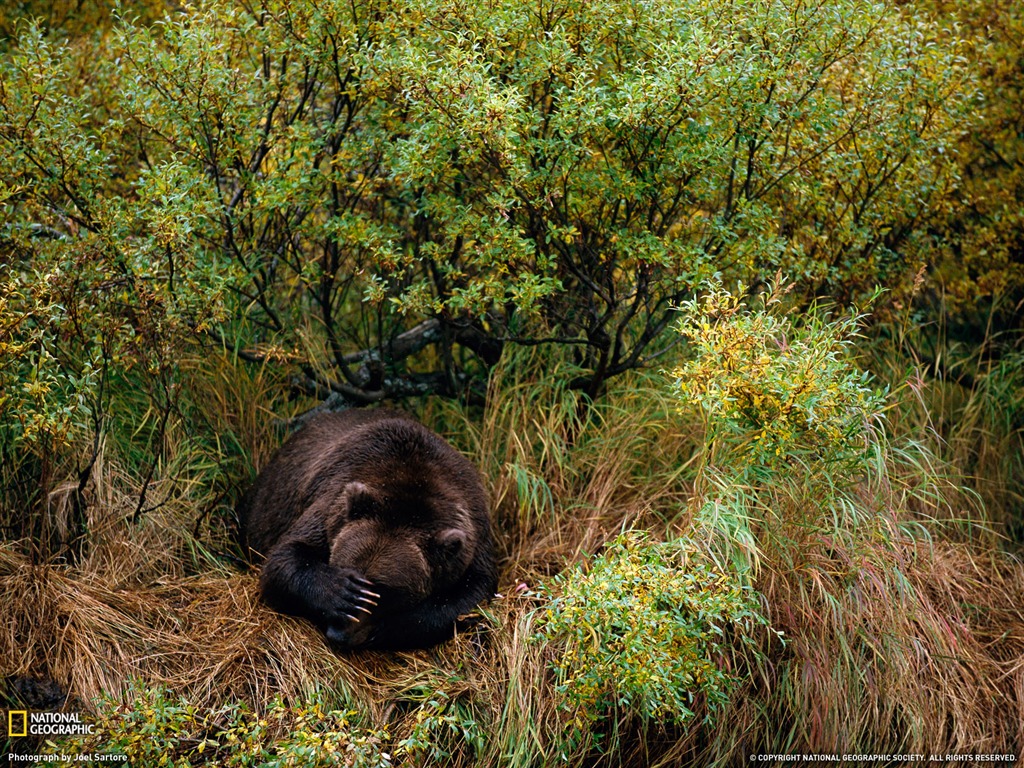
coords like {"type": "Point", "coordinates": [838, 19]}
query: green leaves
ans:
{"type": "Point", "coordinates": [324, 177]}
{"type": "Point", "coordinates": [160, 729]}
{"type": "Point", "coordinates": [773, 391]}
{"type": "Point", "coordinates": [488, 160]}
{"type": "Point", "coordinates": [793, 428]}
{"type": "Point", "coordinates": [644, 630]}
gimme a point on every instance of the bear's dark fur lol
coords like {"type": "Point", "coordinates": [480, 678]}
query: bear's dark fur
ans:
{"type": "Point", "coordinates": [374, 528]}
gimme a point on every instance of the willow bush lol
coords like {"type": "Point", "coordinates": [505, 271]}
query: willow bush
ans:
{"type": "Point", "coordinates": [379, 197]}
{"type": "Point", "coordinates": [644, 631]}
{"type": "Point", "coordinates": [793, 427]}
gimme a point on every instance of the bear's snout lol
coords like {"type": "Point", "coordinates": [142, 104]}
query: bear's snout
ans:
{"type": "Point", "coordinates": [393, 562]}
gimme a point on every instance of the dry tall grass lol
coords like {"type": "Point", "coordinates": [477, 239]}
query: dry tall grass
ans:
{"type": "Point", "coordinates": [894, 641]}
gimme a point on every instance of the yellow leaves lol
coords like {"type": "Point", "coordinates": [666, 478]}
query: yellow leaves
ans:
{"type": "Point", "coordinates": [37, 389]}
{"type": "Point", "coordinates": [773, 385]}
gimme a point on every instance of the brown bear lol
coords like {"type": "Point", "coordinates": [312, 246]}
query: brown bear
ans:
{"type": "Point", "coordinates": [374, 528]}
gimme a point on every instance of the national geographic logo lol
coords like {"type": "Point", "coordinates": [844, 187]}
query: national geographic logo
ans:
{"type": "Point", "coordinates": [17, 723]}
{"type": "Point", "coordinates": [21, 722]}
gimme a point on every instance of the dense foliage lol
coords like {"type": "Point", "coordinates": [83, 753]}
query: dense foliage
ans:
{"type": "Point", "coordinates": [645, 630]}
{"type": "Point", "coordinates": [158, 728]}
{"type": "Point", "coordinates": [741, 278]}
{"type": "Point", "coordinates": [774, 391]}
{"type": "Point", "coordinates": [381, 196]}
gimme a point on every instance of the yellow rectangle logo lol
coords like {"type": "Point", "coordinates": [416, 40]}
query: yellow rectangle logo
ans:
{"type": "Point", "coordinates": [12, 718]}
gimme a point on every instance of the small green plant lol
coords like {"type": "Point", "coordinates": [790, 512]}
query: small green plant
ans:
{"type": "Point", "coordinates": [438, 726]}
{"type": "Point", "coordinates": [160, 729]}
{"type": "Point", "coordinates": [644, 630]}
{"type": "Point", "coordinates": [770, 391]}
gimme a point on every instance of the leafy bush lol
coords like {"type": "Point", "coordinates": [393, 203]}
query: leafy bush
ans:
{"type": "Point", "coordinates": [342, 173]}
{"type": "Point", "coordinates": [158, 728]}
{"type": "Point", "coordinates": [979, 258]}
{"type": "Point", "coordinates": [378, 198]}
{"type": "Point", "coordinates": [773, 392]}
{"type": "Point", "coordinates": [645, 630]}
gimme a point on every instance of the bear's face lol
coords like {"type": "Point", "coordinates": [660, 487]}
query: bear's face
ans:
{"type": "Point", "coordinates": [404, 544]}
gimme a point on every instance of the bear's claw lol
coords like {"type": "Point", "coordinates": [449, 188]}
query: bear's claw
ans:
{"type": "Point", "coordinates": [366, 598]}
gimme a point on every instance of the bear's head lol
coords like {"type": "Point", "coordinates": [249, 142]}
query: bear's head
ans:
{"type": "Point", "coordinates": [406, 540]}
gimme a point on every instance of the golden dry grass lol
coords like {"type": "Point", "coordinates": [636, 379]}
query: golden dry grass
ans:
{"type": "Point", "coordinates": [893, 642]}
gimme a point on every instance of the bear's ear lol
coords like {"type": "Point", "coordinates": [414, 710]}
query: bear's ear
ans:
{"type": "Point", "coordinates": [359, 500]}
{"type": "Point", "coordinates": [451, 542]}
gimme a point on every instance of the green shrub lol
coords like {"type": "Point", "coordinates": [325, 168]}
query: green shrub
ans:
{"type": "Point", "coordinates": [340, 173]}
{"type": "Point", "coordinates": [773, 392]}
{"type": "Point", "coordinates": [158, 729]}
{"type": "Point", "coordinates": [791, 424]}
{"type": "Point", "coordinates": [378, 198]}
{"type": "Point", "coordinates": [644, 630]}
